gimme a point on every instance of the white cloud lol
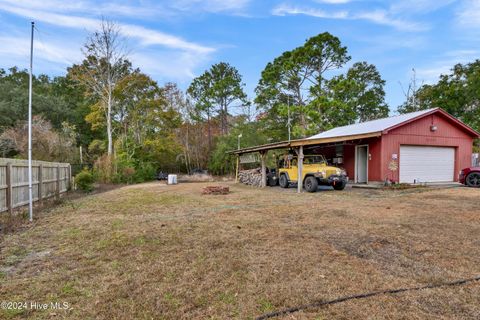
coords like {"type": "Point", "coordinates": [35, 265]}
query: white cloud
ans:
{"type": "Point", "coordinates": [384, 18]}
{"type": "Point", "coordinates": [168, 65]}
{"type": "Point", "coordinates": [469, 14]}
{"type": "Point", "coordinates": [158, 53]}
{"type": "Point", "coordinates": [444, 64]}
{"type": "Point", "coordinates": [283, 10]}
{"type": "Point", "coordinates": [381, 44]}
{"type": "Point", "coordinates": [144, 35]}
{"type": "Point", "coordinates": [419, 6]}
{"type": "Point", "coordinates": [211, 5]}
{"type": "Point", "coordinates": [431, 74]}
{"type": "Point", "coordinates": [133, 8]}
{"type": "Point", "coordinates": [379, 16]}
{"type": "Point", "coordinates": [20, 47]}
{"type": "Point", "coordinates": [87, 7]}
{"type": "Point", "coordinates": [333, 1]}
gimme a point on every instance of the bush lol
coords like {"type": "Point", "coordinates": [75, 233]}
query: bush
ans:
{"type": "Point", "coordinates": [85, 180]}
{"type": "Point", "coordinates": [145, 172]}
{"type": "Point", "coordinates": [122, 169]}
{"type": "Point", "coordinates": [127, 174]}
{"type": "Point", "coordinates": [104, 168]}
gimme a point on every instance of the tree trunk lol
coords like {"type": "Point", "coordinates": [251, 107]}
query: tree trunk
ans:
{"type": "Point", "coordinates": [222, 122]}
{"type": "Point", "coordinates": [303, 120]}
{"type": "Point", "coordinates": [188, 153]}
{"type": "Point", "coordinates": [304, 125]}
{"type": "Point", "coordinates": [226, 120]}
{"type": "Point", "coordinates": [209, 134]}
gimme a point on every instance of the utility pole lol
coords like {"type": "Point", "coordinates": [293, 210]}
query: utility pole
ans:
{"type": "Point", "coordinates": [239, 136]}
{"type": "Point", "coordinates": [238, 159]}
{"type": "Point", "coordinates": [288, 121]}
{"type": "Point", "coordinates": [30, 190]}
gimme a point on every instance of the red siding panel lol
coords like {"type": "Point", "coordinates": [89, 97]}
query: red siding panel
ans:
{"type": "Point", "coordinates": [349, 160]}
{"type": "Point", "coordinates": [419, 133]}
{"type": "Point", "coordinates": [375, 159]}
{"type": "Point", "coordinates": [374, 162]}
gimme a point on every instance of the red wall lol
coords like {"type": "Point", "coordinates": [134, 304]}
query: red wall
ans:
{"type": "Point", "coordinates": [349, 160]}
{"type": "Point", "coordinates": [418, 133]}
{"type": "Point", "coordinates": [375, 159]}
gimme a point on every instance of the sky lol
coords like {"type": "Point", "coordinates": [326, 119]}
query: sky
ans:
{"type": "Point", "coordinates": [178, 40]}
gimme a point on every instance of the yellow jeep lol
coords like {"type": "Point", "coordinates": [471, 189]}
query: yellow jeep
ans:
{"type": "Point", "coordinates": [316, 171]}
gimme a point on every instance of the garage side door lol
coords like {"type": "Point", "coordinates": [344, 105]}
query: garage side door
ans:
{"type": "Point", "coordinates": [426, 164]}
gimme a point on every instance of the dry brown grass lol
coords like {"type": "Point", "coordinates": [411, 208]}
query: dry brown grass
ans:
{"type": "Point", "coordinates": [166, 252]}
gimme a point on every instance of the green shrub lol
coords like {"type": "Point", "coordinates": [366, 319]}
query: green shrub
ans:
{"type": "Point", "coordinates": [128, 174]}
{"type": "Point", "coordinates": [85, 180]}
{"type": "Point", "coordinates": [104, 169]}
{"type": "Point", "coordinates": [145, 172]}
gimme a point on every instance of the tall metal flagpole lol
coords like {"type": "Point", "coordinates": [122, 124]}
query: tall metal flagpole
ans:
{"type": "Point", "coordinates": [30, 191]}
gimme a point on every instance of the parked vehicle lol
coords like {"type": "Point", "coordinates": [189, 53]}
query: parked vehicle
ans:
{"type": "Point", "coordinates": [316, 171]}
{"type": "Point", "coordinates": [197, 171]}
{"type": "Point", "coordinates": [272, 178]}
{"type": "Point", "coordinates": [470, 177]}
{"type": "Point", "coordinates": [162, 175]}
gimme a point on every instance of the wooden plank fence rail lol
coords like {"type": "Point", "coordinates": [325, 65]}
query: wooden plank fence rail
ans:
{"type": "Point", "coordinates": [49, 179]}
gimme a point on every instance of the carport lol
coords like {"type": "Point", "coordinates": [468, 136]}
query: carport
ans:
{"type": "Point", "coordinates": [418, 147]}
{"type": "Point", "coordinates": [300, 146]}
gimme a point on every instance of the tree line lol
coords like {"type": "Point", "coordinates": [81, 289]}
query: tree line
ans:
{"type": "Point", "coordinates": [109, 114]}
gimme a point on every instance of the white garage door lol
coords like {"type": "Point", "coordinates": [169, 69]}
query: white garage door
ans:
{"type": "Point", "coordinates": [426, 164]}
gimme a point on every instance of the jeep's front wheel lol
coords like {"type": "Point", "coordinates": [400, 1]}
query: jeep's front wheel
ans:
{"type": "Point", "coordinates": [311, 184]}
{"type": "Point", "coordinates": [283, 181]}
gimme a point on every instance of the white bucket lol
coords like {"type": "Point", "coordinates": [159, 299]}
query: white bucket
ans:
{"type": "Point", "coordinates": [172, 179]}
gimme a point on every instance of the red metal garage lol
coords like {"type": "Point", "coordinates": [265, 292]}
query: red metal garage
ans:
{"type": "Point", "coordinates": [424, 146]}
{"type": "Point", "coordinates": [418, 147]}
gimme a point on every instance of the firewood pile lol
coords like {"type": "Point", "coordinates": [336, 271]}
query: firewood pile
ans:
{"type": "Point", "coordinates": [216, 190]}
{"type": "Point", "coordinates": [251, 177]}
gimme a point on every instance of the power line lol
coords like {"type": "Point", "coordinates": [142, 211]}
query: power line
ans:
{"type": "Point", "coordinates": [321, 303]}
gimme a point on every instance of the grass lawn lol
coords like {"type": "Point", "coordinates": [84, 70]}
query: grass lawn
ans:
{"type": "Point", "coordinates": [152, 251]}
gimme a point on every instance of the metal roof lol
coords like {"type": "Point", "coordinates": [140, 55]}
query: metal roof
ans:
{"type": "Point", "coordinates": [378, 125]}
{"type": "Point", "coordinates": [363, 130]}
{"type": "Point", "coordinates": [270, 146]}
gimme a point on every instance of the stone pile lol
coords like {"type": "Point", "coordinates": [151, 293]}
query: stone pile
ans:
{"type": "Point", "coordinates": [216, 190]}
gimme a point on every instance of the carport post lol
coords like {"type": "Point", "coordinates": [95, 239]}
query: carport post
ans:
{"type": "Point", "coordinates": [263, 156]}
{"type": "Point", "coordinates": [236, 170]}
{"type": "Point", "coordinates": [300, 169]}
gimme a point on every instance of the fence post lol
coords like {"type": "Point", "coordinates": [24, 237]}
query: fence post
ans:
{"type": "Point", "coordinates": [57, 189]}
{"type": "Point", "coordinates": [69, 172]}
{"type": "Point", "coordinates": [40, 183]}
{"type": "Point", "coordinates": [9, 188]}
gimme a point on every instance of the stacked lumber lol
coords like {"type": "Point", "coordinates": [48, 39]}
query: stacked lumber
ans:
{"type": "Point", "coordinates": [216, 190]}
{"type": "Point", "coordinates": [251, 177]}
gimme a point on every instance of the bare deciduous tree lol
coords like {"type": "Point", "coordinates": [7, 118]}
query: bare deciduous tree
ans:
{"type": "Point", "coordinates": [104, 66]}
{"type": "Point", "coordinates": [411, 103]}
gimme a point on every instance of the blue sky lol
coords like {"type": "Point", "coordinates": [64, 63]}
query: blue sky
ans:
{"type": "Point", "coordinates": [177, 40]}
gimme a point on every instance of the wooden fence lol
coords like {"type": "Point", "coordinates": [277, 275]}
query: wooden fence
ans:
{"type": "Point", "coordinates": [49, 179]}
